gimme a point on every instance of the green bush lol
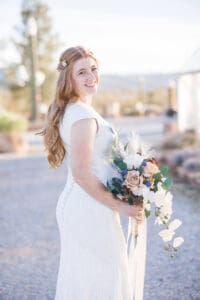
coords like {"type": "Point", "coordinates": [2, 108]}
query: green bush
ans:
{"type": "Point", "coordinates": [12, 123]}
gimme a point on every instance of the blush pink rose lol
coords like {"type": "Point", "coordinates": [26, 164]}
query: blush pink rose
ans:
{"type": "Point", "coordinates": [132, 179]}
{"type": "Point", "coordinates": [150, 169]}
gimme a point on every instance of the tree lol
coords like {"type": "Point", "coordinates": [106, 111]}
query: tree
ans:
{"type": "Point", "coordinates": [45, 45]}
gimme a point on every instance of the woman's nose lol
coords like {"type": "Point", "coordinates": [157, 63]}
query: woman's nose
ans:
{"type": "Point", "coordinates": [91, 77]}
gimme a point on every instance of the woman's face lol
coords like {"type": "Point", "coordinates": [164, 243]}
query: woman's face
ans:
{"type": "Point", "coordinates": [85, 77]}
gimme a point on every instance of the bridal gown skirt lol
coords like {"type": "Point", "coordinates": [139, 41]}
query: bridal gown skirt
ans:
{"type": "Point", "coordinates": [94, 264]}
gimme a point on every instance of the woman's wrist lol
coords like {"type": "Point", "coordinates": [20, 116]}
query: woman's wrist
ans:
{"type": "Point", "coordinates": [116, 204]}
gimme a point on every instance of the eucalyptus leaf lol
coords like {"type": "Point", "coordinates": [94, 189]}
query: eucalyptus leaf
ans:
{"type": "Point", "coordinates": [125, 147]}
{"type": "Point", "coordinates": [157, 176]}
{"type": "Point", "coordinates": [130, 200]}
{"type": "Point", "coordinates": [147, 212]}
{"type": "Point", "coordinates": [167, 247]}
{"type": "Point", "coordinates": [167, 183]}
{"type": "Point", "coordinates": [164, 170]}
{"type": "Point", "coordinates": [119, 163]}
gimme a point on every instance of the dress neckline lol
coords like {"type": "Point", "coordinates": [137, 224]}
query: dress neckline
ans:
{"type": "Point", "coordinates": [90, 107]}
{"type": "Point", "coordinates": [78, 102]}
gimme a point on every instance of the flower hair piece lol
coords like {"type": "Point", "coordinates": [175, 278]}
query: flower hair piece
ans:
{"type": "Point", "coordinates": [64, 63]}
{"type": "Point", "coordinates": [90, 52]}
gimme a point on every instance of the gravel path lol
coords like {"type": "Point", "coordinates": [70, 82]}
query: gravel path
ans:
{"type": "Point", "coordinates": [29, 244]}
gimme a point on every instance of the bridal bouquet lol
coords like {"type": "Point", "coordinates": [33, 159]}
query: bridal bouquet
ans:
{"type": "Point", "coordinates": [140, 181]}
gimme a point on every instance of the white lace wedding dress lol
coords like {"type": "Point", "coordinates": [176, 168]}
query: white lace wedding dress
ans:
{"type": "Point", "coordinates": [95, 263]}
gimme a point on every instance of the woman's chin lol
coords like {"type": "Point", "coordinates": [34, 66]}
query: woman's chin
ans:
{"type": "Point", "coordinates": [91, 91]}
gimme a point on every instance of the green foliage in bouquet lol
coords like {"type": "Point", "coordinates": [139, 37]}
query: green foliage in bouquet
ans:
{"type": "Point", "coordinates": [115, 186]}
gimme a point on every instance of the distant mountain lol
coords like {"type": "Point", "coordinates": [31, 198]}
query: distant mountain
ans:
{"type": "Point", "coordinates": [148, 81]}
{"type": "Point", "coordinates": [134, 81]}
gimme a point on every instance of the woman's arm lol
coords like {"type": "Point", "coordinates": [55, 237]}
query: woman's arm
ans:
{"type": "Point", "coordinates": [83, 134]}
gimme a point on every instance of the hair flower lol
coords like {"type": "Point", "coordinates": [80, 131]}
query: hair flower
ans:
{"type": "Point", "coordinates": [64, 63]}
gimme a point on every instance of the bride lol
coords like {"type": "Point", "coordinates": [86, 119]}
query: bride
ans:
{"type": "Point", "coordinates": [94, 258]}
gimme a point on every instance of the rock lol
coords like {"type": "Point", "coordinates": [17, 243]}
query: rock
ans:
{"type": "Point", "coordinates": [179, 140]}
{"type": "Point", "coordinates": [192, 163]}
{"type": "Point", "coordinates": [184, 163]}
{"type": "Point", "coordinates": [12, 142]}
{"type": "Point", "coordinates": [188, 176]}
{"type": "Point", "coordinates": [178, 157]}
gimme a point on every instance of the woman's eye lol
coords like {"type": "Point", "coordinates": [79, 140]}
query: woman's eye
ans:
{"type": "Point", "coordinates": [84, 72]}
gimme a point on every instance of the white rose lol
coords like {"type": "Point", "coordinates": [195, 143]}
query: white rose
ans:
{"type": "Point", "coordinates": [168, 197]}
{"type": "Point", "coordinates": [166, 209]}
{"type": "Point", "coordinates": [174, 224]}
{"type": "Point", "coordinates": [151, 196]}
{"type": "Point", "coordinates": [177, 242]}
{"type": "Point", "coordinates": [129, 161]}
{"type": "Point", "coordinates": [159, 197]}
{"type": "Point", "coordinates": [158, 221]}
{"type": "Point", "coordinates": [138, 159]}
{"type": "Point", "coordinates": [166, 235]}
{"type": "Point", "coordinates": [147, 194]}
{"type": "Point", "coordinates": [167, 218]}
{"type": "Point", "coordinates": [137, 190]}
{"type": "Point", "coordinates": [133, 160]}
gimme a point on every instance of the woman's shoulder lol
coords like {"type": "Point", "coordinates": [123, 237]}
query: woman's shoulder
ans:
{"type": "Point", "coordinates": [77, 111]}
{"type": "Point", "coordinates": [79, 106]}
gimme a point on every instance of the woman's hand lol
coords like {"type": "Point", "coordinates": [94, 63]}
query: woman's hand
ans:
{"type": "Point", "coordinates": [135, 211]}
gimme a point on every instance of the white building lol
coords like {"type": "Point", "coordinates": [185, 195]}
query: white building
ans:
{"type": "Point", "coordinates": [188, 95]}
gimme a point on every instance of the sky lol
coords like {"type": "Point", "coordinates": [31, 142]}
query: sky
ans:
{"type": "Point", "coordinates": [128, 37]}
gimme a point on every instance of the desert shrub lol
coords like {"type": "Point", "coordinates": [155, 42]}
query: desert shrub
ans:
{"type": "Point", "coordinates": [12, 123]}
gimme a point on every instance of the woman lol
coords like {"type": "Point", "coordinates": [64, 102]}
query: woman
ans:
{"type": "Point", "coordinates": [94, 262]}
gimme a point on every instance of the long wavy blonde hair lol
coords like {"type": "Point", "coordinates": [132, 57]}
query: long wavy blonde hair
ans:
{"type": "Point", "coordinates": [64, 92]}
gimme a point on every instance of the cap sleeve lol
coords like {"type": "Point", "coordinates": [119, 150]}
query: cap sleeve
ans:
{"type": "Point", "coordinates": [80, 112]}
{"type": "Point", "coordinates": [76, 112]}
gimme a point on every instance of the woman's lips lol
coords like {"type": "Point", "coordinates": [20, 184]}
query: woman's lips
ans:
{"type": "Point", "coordinates": [90, 86]}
